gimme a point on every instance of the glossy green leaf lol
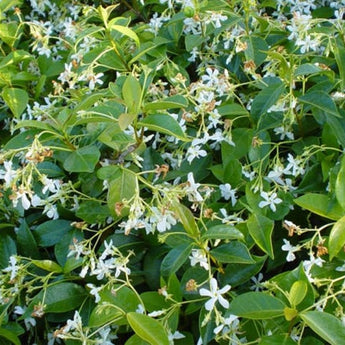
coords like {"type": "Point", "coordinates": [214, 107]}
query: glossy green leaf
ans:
{"type": "Point", "coordinates": [320, 100]}
{"type": "Point", "coordinates": [121, 188]}
{"type": "Point", "coordinates": [187, 219]}
{"type": "Point", "coordinates": [26, 242]}
{"type": "Point", "coordinates": [124, 30]}
{"type": "Point", "coordinates": [172, 102]}
{"type": "Point", "coordinates": [321, 205]}
{"type": "Point", "coordinates": [131, 93]}
{"type": "Point", "coordinates": [148, 329]}
{"type": "Point", "coordinates": [59, 297]}
{"type": "Point", "coordinates": [290, 313]}
{"type": "Point", "coordinates": [125, 299]}
{"type": "Point", "coordinates": [277, 340]}
{"type": "Point", "coordinates": [175, 259]}
{"type": "Point", "coordinates": [126, 119]}
{"type": "Point", "coordinates": [50, 232]}
{"type": "Point", "coordinates": [327, 326]}
{"type": "Point", "coordinates": [223, 232]}
{"type": "Point", "coordinates": [257, 306]}
{"type": "Point", "coordinates": [8, 335]}
{"type": "Point", "coordinates": [93, 212]}
{"type": "Point", "coordinates": [261, 229]}
{"type": "Point", "coordinates": [233, 252]}
{"type": "Point", "coordinates": [16, 99]}
{"type": "Point", "coordinates": [266, 98]}
{"type": "Point", "coordinates": [256, 49]}
{"type": "Point", "coordinates": [336, 238]}
{"type": "Point", "coordinates": [297, 292]}
{"type": "Point", "coordinates": [163, 123]}
{"type": "Point", "coordinates": [48, 265]}
{"type": "Point", "coordinates": [135, 340]}
{"type": "Point", "coordinates": [340, 185]}
{"type": "Point", "coordinates": [7, 249]}
{"type": "Point", "coordinates": [236, 274]}
{"type": "Point", "coordinates": [104, 314]}
{"type": "Point", "coordinates": [83, 159]}
{"type": "Point", "coordinates": [339, 53]}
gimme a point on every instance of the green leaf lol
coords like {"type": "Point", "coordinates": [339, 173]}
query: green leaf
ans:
{"type": "Point", "coordinates": [187, 219]}
{"type": "Point", "coordinates": [59, 298]}
{"type": "Point", "coordinates": [148, 329]}
{"type": "Point", "coordinates": [222, 232]}
{"type": "Point", "coordinates": [175, 259]}
{"type": "Point", "coordinates": [256, 49]}
{"type": "Point", "coordinates": [320, 100]}
{"type": "Point", "coordinates": [290, 313]}
{"type": "Point", "coordinates": [48, 265]}
{"type": "Point", "coordinates": [336, 238]}
{"type": "Point", "coordinates": [83, 159]}
{"type": "Point", "coordinates": [135, 340]}
{"type": "Point", "coordinates": [321, 205]}
{"type": "Point", "coordinates": [306, 69]}
{"type": "Point", "coordinates": [51, 232]}
{"type": "Point", "coordinates": [12, 337]}
{"type": "Point", "coordinates": [261, 229]}
{"type": "Point", "coordinates": [104, 314]}
{"type": "Point", "coordinates": [7, 249]}
{"type": "Point", "coordinates": [297, 292]}
{"type": "Point", "coordinates": [163, 123]}
{"type": "Point", "coordinates": [327, 326]}
{"type": "Point", "coordinates": [339, 53]}
{"type": "Point", "coordinates": [131, 93]}
{"type": "Point", "coordinates": [124, 30]}
{"type": "Point", "coordinates": [35, 124]}
{"type": "Point", "coordinates": [126, 119]}
{"type": "Point", "coordinates": [121, 188]}
{"type": "Point", "coordinates": [278, 339]}
{"type": "Point", "coordinates": [26, 243]}
{"type": "Point", "coordinates": [340, 185]}
{"type": "Point", "coordinates": [92, 212]}
{"type": "Point", "coordinates": [172, 102]}
{"type": "Point", "coordinates": [257, 306]}
{"type": "Point", "coordinates": [237, 274]}
{"type": "Point", "coordinates": [266, 98]}
{"type": "Point", "coordinates": [233, 252]}
{"type": "Point", "coordinates": [16, 99]}
{"type": "Point", "coordinates": [124, 298]}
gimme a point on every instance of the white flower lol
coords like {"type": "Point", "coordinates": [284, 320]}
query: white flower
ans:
{"type": "Point", "coordinates": [228, 193]}
{"type": "Point", "coordinates": [283, 133]}
{"type": "Point", "coordinates": [8, 175]}
{"type": "Point", "coordinates": [275, 174]}
{"type": "Point", "coordinates": [288, 247]}
{"type": "Point", "coordinates": [228, 325]}
{"type": "Point", "coordinates": [195, 152]}
{"type": "Point", "coordinates": [191, 189]}
{"type": "Point", "coordinates": [308, 264]}
{"type": "Point", "coordinates": [270, 199]}
{"type": "Point", "coordinates": [29, 321]}
{"type": "Point", "coordinates": [13, 267]}
{"type": "Point", "coordinates": [156, 313]}
{"type": "Point", "coordinates": [22, 195]}
{"type": "Point", "coordinates": [294, 166]}
{"type": "Point", "coordinates": [94, 291]}
{"type": "Point", "coordinates": [175, 335]}
{"type": "Point", "coordinates": [163, 220]}
{"type": "Point", "coordinates": [215, 294]}
{"type": "Point", "coordinates": [140, 309]}
{"type": "Point", "coordinates": [211, 78]}
{"type": "Point", "coordinates": [92, 78]}
{"type": "Point", "coordinates": [198, 257]}
{"type": "Point", "coordinates": [257, 286]}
